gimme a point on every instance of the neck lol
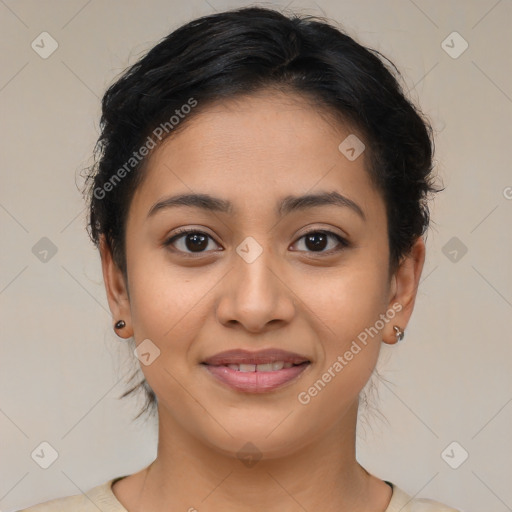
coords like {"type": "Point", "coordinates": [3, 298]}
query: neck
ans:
{"type": "Point", "coordinates": [322, 475]}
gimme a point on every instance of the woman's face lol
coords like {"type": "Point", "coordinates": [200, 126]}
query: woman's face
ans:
{"type": "Point", "coordinates": [251, 281]}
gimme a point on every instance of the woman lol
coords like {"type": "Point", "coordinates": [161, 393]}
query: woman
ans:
{"type": "Point", "coordinates": [259, 203]}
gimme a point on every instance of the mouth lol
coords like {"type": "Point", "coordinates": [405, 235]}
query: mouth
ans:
{"type": "Point", "coordinates": [263, 367]}
{"type": "Point", "coordinates": [256, 372]}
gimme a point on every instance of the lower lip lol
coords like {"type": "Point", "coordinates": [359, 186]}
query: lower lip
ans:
{"type": "Point", "coordinates": [256, 382]}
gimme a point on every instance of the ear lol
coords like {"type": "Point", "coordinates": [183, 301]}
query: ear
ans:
{"type": "Point", "coordinates": [404, 287]}
{"type": "Point", "coordinates": [116, 289]}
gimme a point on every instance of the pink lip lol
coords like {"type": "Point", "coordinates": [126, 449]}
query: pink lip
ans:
{"type": "Point", "coordinates": [255, 382]}
{"type": "Point", "coordinates": [257, 357]}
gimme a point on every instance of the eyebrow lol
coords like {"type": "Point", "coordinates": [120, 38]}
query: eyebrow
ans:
{"type": "Point", "coordinates": [284, 207]}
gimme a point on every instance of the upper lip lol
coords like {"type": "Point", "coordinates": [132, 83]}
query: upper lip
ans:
{"type": "Point", "coordinates": [270, 355]}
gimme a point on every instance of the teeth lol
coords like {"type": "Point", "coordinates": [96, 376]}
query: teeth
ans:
{"type": "Point", "coordinates": [247, 368]}
{"type": "Point", "coordinates": [269, 367]}
{"type": "Point", "coordinates": [266, 367]}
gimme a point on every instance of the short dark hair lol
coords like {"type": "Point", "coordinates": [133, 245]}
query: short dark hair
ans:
{"type": "Point", "coordinates": [242, 51]}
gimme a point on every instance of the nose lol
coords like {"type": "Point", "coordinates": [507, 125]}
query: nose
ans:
{"type": "Point", "coordinates": [255, 294]}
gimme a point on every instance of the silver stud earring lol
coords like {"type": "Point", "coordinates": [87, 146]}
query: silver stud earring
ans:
{"type": "Point", "coordinates": [399, 333]}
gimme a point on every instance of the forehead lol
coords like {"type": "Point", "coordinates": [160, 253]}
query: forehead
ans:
{"type": "Point", "coordinates": [256, 147]}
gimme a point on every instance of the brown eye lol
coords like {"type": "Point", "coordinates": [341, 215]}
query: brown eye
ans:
{"type": "Point", "coordinates": [318, 241]}
{"type": "Point", "coordinates": [190, 241]}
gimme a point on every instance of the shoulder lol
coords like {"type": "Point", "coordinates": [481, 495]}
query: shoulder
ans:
{"type": "Point", "coordinates": [402, 502]}
{"type": "Point", "coordinates": [100, 497]}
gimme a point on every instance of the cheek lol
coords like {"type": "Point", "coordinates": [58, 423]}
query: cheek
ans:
{"type": "Point", "coordinates": [164, 298]}
{"type": "Point", "coordinates": [167, 305]}
{"type": "Point", "coordinates": [347, 309]}
{"type": "Point", "coordinates": [347, 300]}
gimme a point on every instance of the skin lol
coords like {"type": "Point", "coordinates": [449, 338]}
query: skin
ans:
{"type": "Point", "coordinates": [254, 151]}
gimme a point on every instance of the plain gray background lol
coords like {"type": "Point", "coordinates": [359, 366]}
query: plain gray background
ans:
{"type": "Point", "coordinates": [62, 368]}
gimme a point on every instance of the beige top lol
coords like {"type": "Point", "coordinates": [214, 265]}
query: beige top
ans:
{"type": "Point", "coordinates": [102, 498]}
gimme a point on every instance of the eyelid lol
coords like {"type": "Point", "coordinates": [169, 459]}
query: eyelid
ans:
{"type": "Point", "coordinates": [327, 229]}
{"type": "Point", "coordinates": [342, 241]}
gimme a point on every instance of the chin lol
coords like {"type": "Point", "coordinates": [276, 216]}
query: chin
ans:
{"type": "Point", "coordinates": [255, 442]}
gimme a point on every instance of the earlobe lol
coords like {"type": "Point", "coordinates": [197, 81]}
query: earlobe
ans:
{"type": "Point", "coordinates": [404, 290]}
{"type": "Point", "coordinates": [116, 291]}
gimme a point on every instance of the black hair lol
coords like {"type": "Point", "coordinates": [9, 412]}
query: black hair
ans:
{"type": "Point", "coordinates": [242, 51]}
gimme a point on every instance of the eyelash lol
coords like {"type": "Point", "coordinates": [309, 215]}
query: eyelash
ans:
{"type": "Point", "coordinates": [180, 233]}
